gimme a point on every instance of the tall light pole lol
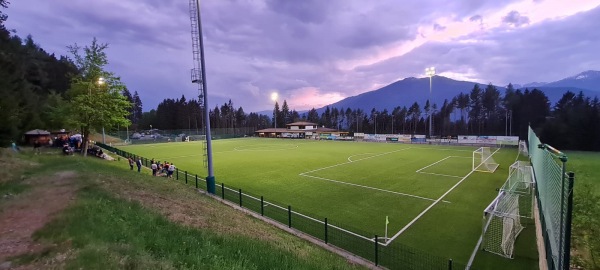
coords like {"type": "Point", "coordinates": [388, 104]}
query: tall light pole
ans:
{"type": "Point", "coordinates": [274, 98]}
{"type": "Point", "coordinates": [430, 72]}
{"type": "Point", "coordinates": [101, 82]}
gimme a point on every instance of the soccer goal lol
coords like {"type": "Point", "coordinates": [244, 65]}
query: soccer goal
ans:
{"type": "Point", "coordinates": [502, 224]}
{"type": "Point", "coordinates": [521, 182]}
{"type": "Point", "coordinates": [523, 148]}
{"type": "Point", "coordinates": [483, 160]}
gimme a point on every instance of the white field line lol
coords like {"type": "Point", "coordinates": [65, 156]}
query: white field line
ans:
{"type": "Point", "coordinates": [443, 149]}
{"type": "Point", "coordinates": [344, 163]}
{"type": "Point", "coordinates": [432, 205]}
{"type": "Point", "coordinates": [439, 174]}
{"type": "Point", "coordinates": [350, 160]}
{"type": "Point", "coordinates": [373, 188]}
{"type": "Point", "coordinates": [419, 170]}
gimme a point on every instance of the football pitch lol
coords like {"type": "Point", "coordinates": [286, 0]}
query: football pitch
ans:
{"type": "Point", "coordinates": [433, 199]}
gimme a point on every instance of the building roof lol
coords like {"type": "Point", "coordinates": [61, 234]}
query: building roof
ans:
{"type": "Point", "coordinates": [301, 124]}
{"type": "Point", "coordinates": [37, 132]}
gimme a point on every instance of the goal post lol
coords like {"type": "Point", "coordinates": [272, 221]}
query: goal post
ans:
{"type": "Point", "coordinates": [501, 224]}
{"type": "Point", "coordinates": [483, 160]}
{"type": "Point", "coordinates": [523, 148]}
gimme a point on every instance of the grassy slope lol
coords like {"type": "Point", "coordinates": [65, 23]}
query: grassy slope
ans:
{"type": "Point", "coordinates": [108, 228]}
{"type": "Point", "coordinates": [271, 167]}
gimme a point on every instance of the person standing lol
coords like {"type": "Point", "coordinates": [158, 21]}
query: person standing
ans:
{"type": "Point", "coordinates": [130, 163]}
{"type": "Point", "coordinates": [139, 164]}
{"type": "Point", "coordinates": [154, 168]}
{"type": "Point", "coordinates": [171, 170]}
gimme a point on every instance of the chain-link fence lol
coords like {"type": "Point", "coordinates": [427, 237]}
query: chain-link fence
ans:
{"type": "Point", "coordinates": [372, 248]}
{"type": "Point", "coordinates": [555, 199]}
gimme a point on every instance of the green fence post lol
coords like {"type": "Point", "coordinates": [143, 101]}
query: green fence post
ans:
{"type": "Point", "coordinates": [376, 250]}
{"type": "Point", "coordinates": [186, 177]}
{"type": "Point", "coordinates": [289, 216]}
{"type": "Point", "coordinates": [262, 206]}
{"type": "Point", "coordinates": [326, 236]}
{"type": "Point", "coordinates": [240, 197]}
{"type": "Point", "coordinates": [450, 264]}
{"type": "Point", "coordinates": [567, 256]}
{"type": "Point", "coordinates": [223, 191]}
{"type": "Point", "coordinates": [196, 181]}
{"type": "Point", "coordinates": [176, 173]}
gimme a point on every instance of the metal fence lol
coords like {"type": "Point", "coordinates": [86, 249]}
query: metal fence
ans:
{"type": "Point", "coordinates": [554, 194]}
{"type": "Point", "coordinates": [372, 248]}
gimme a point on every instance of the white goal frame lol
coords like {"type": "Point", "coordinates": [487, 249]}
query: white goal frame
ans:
{"type": "Point", "coordinates": [523, 148]}
{"type": "Point", "coordinates": [483, 160]}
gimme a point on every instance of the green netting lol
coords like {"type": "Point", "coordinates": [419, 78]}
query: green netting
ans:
{"type": "Point", "coordinates": [552, 192]}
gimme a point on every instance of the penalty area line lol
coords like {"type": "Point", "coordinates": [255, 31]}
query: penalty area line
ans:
{"type": "Point", "coordinates": [432, 205]}
{"type": "Point", "coordinates": [373, 188]}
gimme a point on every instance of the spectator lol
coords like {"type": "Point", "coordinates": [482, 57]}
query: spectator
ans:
{"type": "Point", "coordinates": [139, 164]}
{"type": "Point", "coordinates": [171, 170]}
{"type": "Point", "coordinates": [154, 168]}
{"type": "Point", "coordinates": [130, 163]}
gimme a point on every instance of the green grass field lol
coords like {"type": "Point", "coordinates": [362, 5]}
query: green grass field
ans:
{"type": "Point", "coordinates": [433, 200]}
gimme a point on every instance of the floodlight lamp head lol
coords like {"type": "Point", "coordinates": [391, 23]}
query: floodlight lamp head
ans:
{"type": "Point", "coordinates": [101, 81]}
{"type": "Point", "coordinates": [430, 71]}
{"type": "Point", "coordinates": [274, 96]}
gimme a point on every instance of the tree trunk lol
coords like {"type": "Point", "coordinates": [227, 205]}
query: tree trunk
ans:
{"type": "Point", "coordinates": [85, 142]}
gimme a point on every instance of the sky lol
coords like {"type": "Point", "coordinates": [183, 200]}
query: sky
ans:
{"type": "Point", "coordinates": [315, 52]}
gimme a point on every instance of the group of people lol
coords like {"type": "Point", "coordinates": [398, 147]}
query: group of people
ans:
{"type": "Point", "coordinates": [158, 169]}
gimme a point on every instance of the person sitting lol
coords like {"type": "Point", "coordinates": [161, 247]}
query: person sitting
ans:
{"type": "Point", "coordinates": [67, 150]}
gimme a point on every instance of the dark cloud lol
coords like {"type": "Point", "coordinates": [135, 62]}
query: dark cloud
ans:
{"type": "Point", "coordinates": [255, 47]}
{"type": "Point", "coordinates": [514, 18]}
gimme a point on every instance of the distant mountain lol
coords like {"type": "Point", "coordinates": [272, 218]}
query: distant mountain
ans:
{"type": "Point", "coordinates": [586, 80]}
{"type": "Point", "coordinates": [405, 92]}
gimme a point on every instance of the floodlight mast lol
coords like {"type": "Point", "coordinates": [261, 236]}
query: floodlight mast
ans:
{"type": "Point", "coordinates": [430, 72]}
{"type": "Point", "coordinates": [200, 79]}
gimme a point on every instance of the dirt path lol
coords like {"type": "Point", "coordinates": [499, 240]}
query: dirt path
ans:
{"type": "Point", "coordinates": [30, 211]}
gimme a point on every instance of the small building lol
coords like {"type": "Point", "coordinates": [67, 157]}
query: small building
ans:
{"type": "Point", "coordinates": [301, 130]}
{"type": "Point", "coordinates": [42, 136]}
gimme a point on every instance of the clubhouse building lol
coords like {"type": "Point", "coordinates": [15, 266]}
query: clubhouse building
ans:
{"type": "Point", "coordinates": [300, 130]}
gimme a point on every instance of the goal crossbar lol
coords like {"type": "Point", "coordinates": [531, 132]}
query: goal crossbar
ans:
{"type": "Point", "coordinates": [483, 160]}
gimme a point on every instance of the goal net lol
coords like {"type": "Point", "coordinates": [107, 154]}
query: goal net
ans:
{"type": "Point", "coordinates": [523, 148]}
{"type": "Point", "coordinates": [502, 218]}
{"type": "Point", "coordinates": [483, 160]}
{"type": "Point", "coordinates": [502, 224]}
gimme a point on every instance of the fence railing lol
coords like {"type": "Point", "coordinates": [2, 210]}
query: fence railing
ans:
{"type": "Point", "coordinates": [554, 195]}
{"type": "Point", "coordinates": [355, 241]}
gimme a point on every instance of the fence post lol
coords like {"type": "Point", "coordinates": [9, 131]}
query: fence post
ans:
{"type": "Point", "coordinates": [289, 216]}
{"type": "Point", "coordinates": [223, 191]}
{"type": "Point", "coordinates": [567, 256]}
{"type": "Point", "coordinates": [326, 236]}
{"type": "Point", "coordinates": [376, 250]}
{"type": "Point", "coordinates": [262, 206]}
{"type": "Point", "coordinates": [186, 177]}
{"type": "Point", "coordinates": [450, 264]}
{"type": "Point", "coordinates": [240, 197]}
{"type": "Point", "coordinates": [196, 181]}
{"type": "Point", "coordinates": [176, 173]}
